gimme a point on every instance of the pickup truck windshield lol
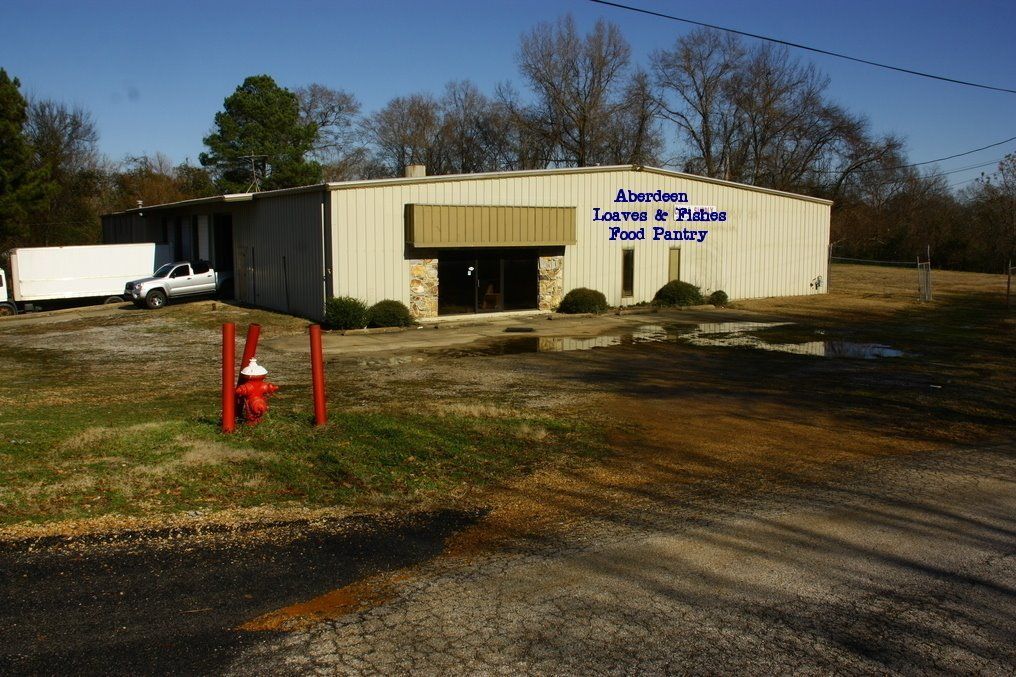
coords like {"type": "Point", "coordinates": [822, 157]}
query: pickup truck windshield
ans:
{"type": "Point", "coordinates": [163, 271]}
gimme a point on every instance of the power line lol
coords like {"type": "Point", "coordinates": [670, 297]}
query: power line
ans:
{"type": "Point", "coordinates": [941, 159]}
{"type": "Point", "coordinates": [951, 171]}
{"type": "Point", "coordinates": [892, 182]}
{"type": "Point", "coordinates": [805, 47]}
{"type": "Point", "coordinates": [965, 181]}
{"type": "Point", "coordinates": [964, 169]}
{"type": "Point", "coordinates": [919, 164]}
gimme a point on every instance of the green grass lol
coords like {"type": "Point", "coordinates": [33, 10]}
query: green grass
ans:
{"type": "Point", "coordinates": [92, 433]}
{"type": "Point", "coordinates": [65, 466]}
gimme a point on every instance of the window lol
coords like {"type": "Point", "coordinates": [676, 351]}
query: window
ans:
{"type": "Point", "coordinates": [627, 273]}
{"type": "Point", "coordinates": [201, 267]}
{"type": "Point", "coordinates": [181, 271]}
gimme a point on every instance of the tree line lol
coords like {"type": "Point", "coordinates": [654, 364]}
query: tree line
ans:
{"type": "Point", "coordinates": [710, 104]}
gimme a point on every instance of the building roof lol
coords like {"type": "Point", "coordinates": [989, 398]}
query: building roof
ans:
{"type": "Point", "coordinates": [371, 183]}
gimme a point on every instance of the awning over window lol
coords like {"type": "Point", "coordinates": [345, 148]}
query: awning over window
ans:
{"type": "Point", "coordinates": [467, 226]}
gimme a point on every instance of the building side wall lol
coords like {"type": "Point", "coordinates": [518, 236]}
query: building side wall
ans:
{"type": "Point", "coordinates": [278, 254]}
{"type": "Point", "coordinates": [129, 229]}
{"type": "Point", "coordinates": [770, 245]}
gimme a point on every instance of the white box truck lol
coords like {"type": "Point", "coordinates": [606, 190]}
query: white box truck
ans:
{"type": "Point", "coordinates": [91, 271]}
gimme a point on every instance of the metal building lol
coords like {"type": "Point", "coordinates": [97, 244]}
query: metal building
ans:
{"type": "Point", "coordinates": [505, 241]}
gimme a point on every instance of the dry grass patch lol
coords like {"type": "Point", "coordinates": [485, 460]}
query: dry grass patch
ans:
{"type": "Point", "coordinates": [89, 438]}
{"type": "Point", "coordinates": [207, 452]}
{"type": "Point", "coordinates": [477, 410]}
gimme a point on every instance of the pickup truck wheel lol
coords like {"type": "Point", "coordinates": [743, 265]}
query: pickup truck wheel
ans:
{"type": "Point", "coordinates": [113, 299]}
{"type": "Point", "coordinates": [155, 299]}
{"type": "Point", "coordinates": [7, 309]}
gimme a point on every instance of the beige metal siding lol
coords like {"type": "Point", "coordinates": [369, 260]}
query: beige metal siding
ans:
{"type": "Point", "coordinates": [488, 226]}
{"type": "Point", "coordinates": [278, 253]}
{"type": "Point", "coordinates": [771, 245]}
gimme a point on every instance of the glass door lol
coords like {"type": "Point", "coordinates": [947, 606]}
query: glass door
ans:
{"type": "Point", "coordinates": [456, 285]}
{"type": "Point", "coordinates": [487, 281]}
{"type": "Point", "coordinates": [489, 296]}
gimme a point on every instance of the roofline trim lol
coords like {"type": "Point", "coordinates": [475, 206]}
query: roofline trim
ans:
{"type": "Point", "coordinates": [367, 183]}
{"type": "Point", "coordinates": [227, 198]}
{"type": "Point", "coordinates": [401, 181]}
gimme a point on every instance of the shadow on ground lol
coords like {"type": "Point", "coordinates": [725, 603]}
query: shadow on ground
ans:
{"type": "Point", "coordinates": [171, 609]}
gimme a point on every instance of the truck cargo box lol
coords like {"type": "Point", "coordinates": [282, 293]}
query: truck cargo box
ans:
{"type": "Point", "coordinates": [48, 273]}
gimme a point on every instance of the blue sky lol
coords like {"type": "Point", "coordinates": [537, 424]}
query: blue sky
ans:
{"type": "Point", "coordinates": [154, 74]}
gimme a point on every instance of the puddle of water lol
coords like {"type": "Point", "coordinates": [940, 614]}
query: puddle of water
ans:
{"type": "Point", "coordinates": [741, 335]}
{"type": "Point", "coordinates": [712, 334]}
{"type": "Point", "coordinates": [648, 333]}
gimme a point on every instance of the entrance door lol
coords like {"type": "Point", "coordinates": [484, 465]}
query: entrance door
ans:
{"type": "Point", "coordinates": [487, 281]}
{"type": "Point", "coordinates": [456, 285]}
{"type": "Point", "coordinates": [489, 285]}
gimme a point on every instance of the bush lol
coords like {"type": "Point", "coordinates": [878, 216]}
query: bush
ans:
{"type": "Point", "coordinates": [718, 298]}
{"type": "Point", "coordinates": [345, 312]}
{"type": "Point", "coordinates": [389, 313]}
{"type": "Point", "coordinates": [677, 293]}
{"type": "Point", "coordinates": [582, 300]}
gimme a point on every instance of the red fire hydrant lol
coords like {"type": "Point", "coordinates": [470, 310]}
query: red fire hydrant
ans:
{"type": "Point", "coordinates": [253, 393]}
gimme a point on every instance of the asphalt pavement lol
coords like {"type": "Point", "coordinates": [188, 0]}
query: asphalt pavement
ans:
{"type": "Point", "coordinates": [905, 565]}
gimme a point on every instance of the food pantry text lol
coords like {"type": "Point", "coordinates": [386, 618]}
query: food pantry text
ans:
{"type": "Point", "coordinates": [696, 214]}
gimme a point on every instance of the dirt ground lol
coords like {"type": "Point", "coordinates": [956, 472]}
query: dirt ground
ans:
{"type": "Point", "coordinates": [109, 416]}
{"type": "Point", "coordinates": [540, 454]}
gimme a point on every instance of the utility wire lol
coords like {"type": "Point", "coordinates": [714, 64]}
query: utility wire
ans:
{"type": "Point", "coordinates": [893, 182]}
{"type": "Point", "coordinates": [960, 183]}
{"type": "Point", "coordinates": [941, 159]}
{"type": "Point", "coordinates": [963, 169]}
{"type": "Point", "coordinates": [951, 171]}
{"type": "Point", "coordinates": [805, 47]}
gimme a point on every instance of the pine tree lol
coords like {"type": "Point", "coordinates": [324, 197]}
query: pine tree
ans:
{"type": "Point", "coordinates": [22, 188]}
{"type": "Point", "coordinates": [261, 119]}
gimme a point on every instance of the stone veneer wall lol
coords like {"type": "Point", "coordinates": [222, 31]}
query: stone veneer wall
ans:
{"type": "Point", "coordinates": [551, 282]}
{"type": "Point", "coordinates": [423, 287]}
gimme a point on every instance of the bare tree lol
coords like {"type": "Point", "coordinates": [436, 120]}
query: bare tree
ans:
{"type": "Point", "coordinates": [635, 138]}
{"type": "Point", "coordinates": [578, 83]}
{"type": "Point", "coordinates": [992, 203]}
{"type": "Point", "coordinates": [65, 141]}
{"type": "Point", "coordinates": [336, 115]}
{"type": "Point", "coordinates": [405, 132]}
{"type": "Point", "coordinates": [695, 79]}
{"type": "Point", "coordinates": [514, 135]}
{"type": "Point", "coordinates": [465, 125]}
{"type": "Point", "coordinates": [760, 116]}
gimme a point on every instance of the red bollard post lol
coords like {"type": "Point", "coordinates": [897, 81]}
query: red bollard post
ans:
{"type": "Point", "coordinates": [250, 349]}
{"type": "Point", "coordinates": [228, 377]}
{"type": "Point", "coordinates": [317, 372]}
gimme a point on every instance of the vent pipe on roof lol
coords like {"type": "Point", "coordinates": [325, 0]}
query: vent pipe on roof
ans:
{"type": "Point", "coordinates": [416, 171]}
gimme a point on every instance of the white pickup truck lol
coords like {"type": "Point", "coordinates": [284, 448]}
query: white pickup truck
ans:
{"type": "Point", "coordinates": [174, 280]}
{"type": "Point", "coordinates": [54, 274]}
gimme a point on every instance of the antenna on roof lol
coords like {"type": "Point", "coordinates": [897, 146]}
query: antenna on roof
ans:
{"type": "Point", "coordinates": [255, 182]}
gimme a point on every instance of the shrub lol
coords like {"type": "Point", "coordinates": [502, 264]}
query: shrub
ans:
{"type": "Point", "coordinates": [718, 298]}
{"type": "Point", "coordinates": [582, 300]}
{"type": "Point", "coordinates": [677, 293]}
{"type": "Point", "coordinates": [389, 313]}
{"type": "Point", "coordinates": [345, 312]}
